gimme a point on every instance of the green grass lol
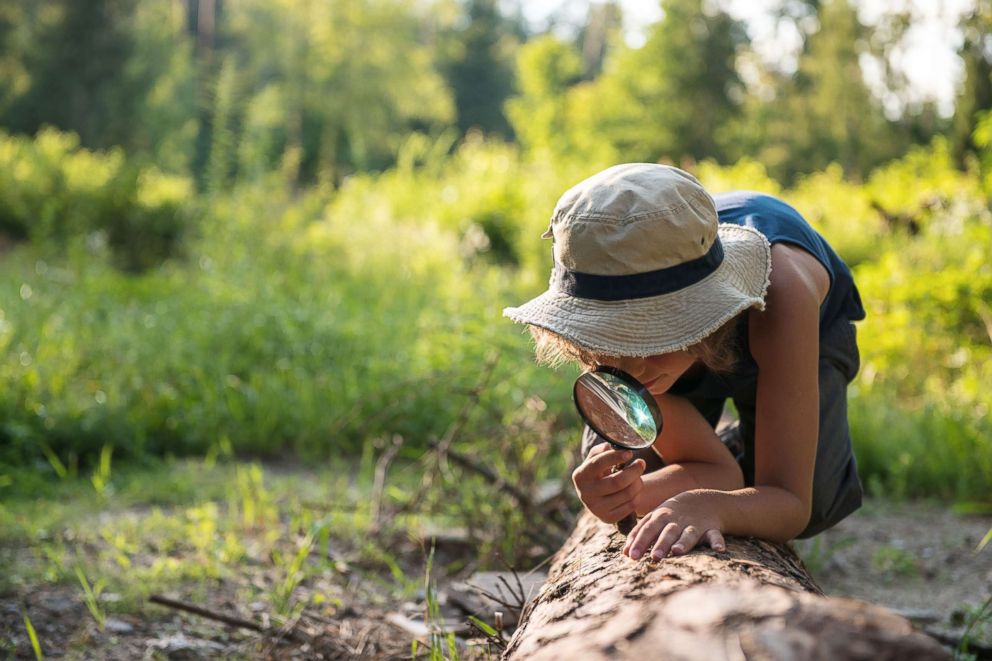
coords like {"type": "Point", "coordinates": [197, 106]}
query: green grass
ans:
{"type": "Point", "coordinates": [286, 539]}
{"type": "Point", "coordinates": [174, 525]}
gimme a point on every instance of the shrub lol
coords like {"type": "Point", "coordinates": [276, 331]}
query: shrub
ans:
{"type": "Point", "coordinates": [57, 195]}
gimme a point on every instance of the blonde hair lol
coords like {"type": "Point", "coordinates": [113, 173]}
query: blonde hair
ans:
{"type": "Point", "coordinates": [717, 351]}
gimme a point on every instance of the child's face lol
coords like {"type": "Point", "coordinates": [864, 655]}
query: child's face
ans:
{"type": "Point", "coordinates": [657, 373]}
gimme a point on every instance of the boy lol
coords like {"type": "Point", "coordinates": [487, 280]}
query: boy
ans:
{"type": "Point", "coordinates": [703, 300]}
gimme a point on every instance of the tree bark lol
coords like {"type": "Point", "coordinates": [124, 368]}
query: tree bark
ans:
{"type": "Point", "coordinates": [754, 601]}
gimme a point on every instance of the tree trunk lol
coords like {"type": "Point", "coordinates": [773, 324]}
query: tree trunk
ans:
{"type": "Point", "coordinates": [754, 601]}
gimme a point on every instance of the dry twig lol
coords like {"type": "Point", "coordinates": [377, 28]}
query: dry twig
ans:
{"type": "Point", "coordinates": [379, 482]}
{"type": "Point", "coordinates": [220, 617]}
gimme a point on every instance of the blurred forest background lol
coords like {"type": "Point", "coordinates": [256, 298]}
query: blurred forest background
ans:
{"type": "Point", "coordinates": [287, 228]}
{"type": "Point", "coordinates": [253, 257]}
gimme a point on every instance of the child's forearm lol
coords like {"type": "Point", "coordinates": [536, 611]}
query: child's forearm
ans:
{"type": "Point", "coordinates": [771, 513]}
{"type": "Point", "coordinates": [673, 479]}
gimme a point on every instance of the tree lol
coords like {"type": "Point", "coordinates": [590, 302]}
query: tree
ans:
{"type": "Point", "coordinates": [478, 66]}
{"type": "Point", "coordinates": [825, 112]}
{"type": "Point", "coordinates": [70, 65]}
{"type": "Point", "coordinates": [546, 69]}
{"type": "Point", "coordinates": [599, 34]}
{"type": "Point", "coordinates": [975, 94]}
{"type": "Point", "coordinates": [672, 98]}
{"type": "Point", "coordinates": [331, 87]}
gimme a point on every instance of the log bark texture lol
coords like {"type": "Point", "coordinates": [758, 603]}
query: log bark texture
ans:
{"type": "Point", "coordinates": [754, 601]}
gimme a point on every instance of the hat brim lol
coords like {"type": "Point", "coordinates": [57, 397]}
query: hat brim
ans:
{"type": "Point", "coordinates": [664, 323]}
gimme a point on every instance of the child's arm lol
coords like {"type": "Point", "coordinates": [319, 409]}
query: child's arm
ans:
{"type": "Point", "coordinates": [785, 344]}
{"type": "Point", "coordinates": [694, 457]}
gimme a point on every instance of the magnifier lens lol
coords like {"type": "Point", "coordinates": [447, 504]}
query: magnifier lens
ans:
{"type": "Point", "coordinates": [617, 407]}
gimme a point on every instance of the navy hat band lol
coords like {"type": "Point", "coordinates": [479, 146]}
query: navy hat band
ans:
{"type": "Point", "coordinates": [637, 285]}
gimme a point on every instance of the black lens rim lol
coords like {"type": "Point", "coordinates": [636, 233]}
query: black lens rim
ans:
{"type": "Point", "coordinates": [634, 385]}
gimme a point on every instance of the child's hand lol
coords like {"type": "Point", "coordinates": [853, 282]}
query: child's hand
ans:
{"type": "Point", "coordinates": [609, 496]}
{"type": "Point", "coordinates": [677, 525]}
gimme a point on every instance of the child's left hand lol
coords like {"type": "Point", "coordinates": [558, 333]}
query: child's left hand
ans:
{"type": "Point", "coordinates": [677, 525]}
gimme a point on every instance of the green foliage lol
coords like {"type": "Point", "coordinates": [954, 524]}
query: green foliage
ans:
{"type": "Point", "coordinates": [308, 324]}
{"type": "Point", "coordinates": [977, 619]}
{"type": "Point", "coordinates": [975, 94]}
{"type": "Point", "coordinates": [983, 139]}
{"type": "Point", "coordinates": [985, 541]}
{"type": "Point", "coordinates": [824, 112]}
{"type": "Point", "coordinates": [220, 164]}
{"type": "Point", "coordinates": [319, 91]}
{"type": "Point", "coordinates": [330, 88]}
{"type": "Point", "coordinates": [666, 100]}
{"type": "Point", "coordinates": [927, 355]}
{"type": "Point", "coordinates": [61, 196]}
{"type": "Point", "coordinates": [670, 99]}
{"type": "Point", "coordinates": [317, 322]}
{"type": "Point", "coordinates": [442, 645]}
{"type": "Point", "coordinates": [69, 65]}
{"type": "Point", "coordinates": [546, 68]}
{"type": "Point", "coordinates": [895, 562]}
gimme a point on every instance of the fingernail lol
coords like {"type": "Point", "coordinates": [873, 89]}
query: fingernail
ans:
{"type": "Point", "coordinates": [719, 547]}
{"type": "Point", "coordinates": [678, 549]}
{"type": "Point", "coordinates": [635, 553]}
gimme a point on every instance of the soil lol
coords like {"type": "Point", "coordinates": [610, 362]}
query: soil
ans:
{"type": "Point", "coordinates": [916, 558]}
{"type": "Point", "coordinates": [919, 559]}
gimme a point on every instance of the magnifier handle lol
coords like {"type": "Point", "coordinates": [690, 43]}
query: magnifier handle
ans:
{"type": "Point", "coordinates": [627, 523]}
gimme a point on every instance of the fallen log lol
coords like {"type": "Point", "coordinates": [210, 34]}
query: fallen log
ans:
{"type": "Point", "coordinates": [754, 601]}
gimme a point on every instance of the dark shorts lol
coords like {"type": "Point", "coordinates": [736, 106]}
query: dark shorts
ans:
{"type": "Point", "coordinates": [837, 490]}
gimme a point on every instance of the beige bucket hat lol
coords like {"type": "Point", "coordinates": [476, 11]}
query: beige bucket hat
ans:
{"type": "Point", "coordinates": [642, 265]}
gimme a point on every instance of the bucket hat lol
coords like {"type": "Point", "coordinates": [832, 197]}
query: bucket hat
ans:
{"type": "Point", "coordinates": [642, 266]}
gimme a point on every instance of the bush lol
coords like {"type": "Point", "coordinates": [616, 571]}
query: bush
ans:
{"type": "Point", "coordinates": [57, 195]}
{"type": "Point", "coordinates": [297, 327]}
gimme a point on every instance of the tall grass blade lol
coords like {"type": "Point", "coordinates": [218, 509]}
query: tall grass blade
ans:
{"type": "Point", "coordinates": [33, 635]}
{"type": "Point", "coordinates": [985, 541]}
{"type": "Point", "coordinates": [90, 597]}
{"type": "Point", "coordinates": [55, 462]}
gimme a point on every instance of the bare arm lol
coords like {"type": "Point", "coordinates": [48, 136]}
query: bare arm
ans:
{"type": "Point", "coordinates": [694, 457]}
{"type": "Point", "coordinates": [785, 344]}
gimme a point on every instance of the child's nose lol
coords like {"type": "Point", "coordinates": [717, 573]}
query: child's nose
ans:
{"type": "Point", "coordinates": [633, 366]}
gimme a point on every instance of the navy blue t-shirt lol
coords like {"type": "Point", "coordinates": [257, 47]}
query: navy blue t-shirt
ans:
{"type": "Point", "coordinates": [780, 223]}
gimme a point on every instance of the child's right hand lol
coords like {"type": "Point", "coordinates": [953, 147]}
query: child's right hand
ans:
{"type": "Point", "coordinates": [609, 496]}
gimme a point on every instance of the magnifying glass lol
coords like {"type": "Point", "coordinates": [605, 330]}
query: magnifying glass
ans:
{"type": "Point", "coordinates": [620, 409]}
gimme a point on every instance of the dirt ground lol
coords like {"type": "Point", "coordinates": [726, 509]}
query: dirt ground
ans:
{"type": "Point", "coordinates": [916, 558]}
